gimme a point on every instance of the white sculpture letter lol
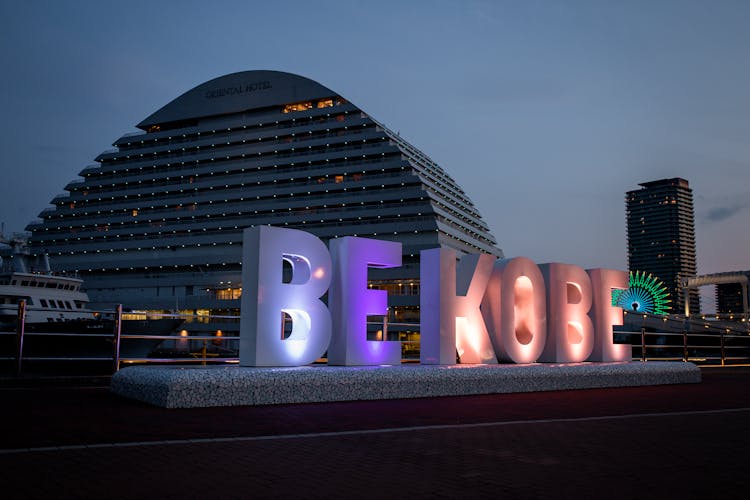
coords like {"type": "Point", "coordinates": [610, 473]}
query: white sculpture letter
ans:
{"type": "Point", "coordinates": [266, 297]}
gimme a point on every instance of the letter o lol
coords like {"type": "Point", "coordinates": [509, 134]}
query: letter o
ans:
{"type": "Point", "coordinates": [514, 308]}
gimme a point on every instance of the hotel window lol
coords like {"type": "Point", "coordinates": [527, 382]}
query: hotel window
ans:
{"type": "Point", "coordinates": [297, 106]}
{"type": "Point", "coordinates": [229, 294]}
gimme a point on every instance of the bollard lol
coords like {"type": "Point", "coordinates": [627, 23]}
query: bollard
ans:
{"type": "Point", "coordinates": [20, 327]}
{"type": "Point", "coordinates": [116, 339]}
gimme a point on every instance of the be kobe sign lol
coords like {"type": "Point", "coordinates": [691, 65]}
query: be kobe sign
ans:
{"type": "Point", "coordinates": [483, 308]}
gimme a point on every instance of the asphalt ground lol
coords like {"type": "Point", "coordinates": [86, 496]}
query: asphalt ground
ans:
{"type": "Point", "coordinates": [72, 438]}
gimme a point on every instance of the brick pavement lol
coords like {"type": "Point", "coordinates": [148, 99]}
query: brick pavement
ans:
{"type": "Point", "coordinates": [689, 441]}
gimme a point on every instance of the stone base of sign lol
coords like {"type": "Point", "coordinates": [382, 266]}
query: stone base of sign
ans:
{"type": "Point", "coordinates": [191, 386]}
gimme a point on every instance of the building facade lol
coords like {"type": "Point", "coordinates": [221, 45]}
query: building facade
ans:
{"type": "Point", "coordinates": [729, 298]}
{"type": "Point", "coordinates": [661, 236]}
{"type": "Point", "coordinates": [157, 222]}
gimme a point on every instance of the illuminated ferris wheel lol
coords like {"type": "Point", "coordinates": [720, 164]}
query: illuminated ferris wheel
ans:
{"type": "Point", "coordinates": [645, 294]}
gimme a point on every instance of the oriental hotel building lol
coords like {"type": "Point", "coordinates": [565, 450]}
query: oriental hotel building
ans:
{"type": "Point", "coordinates": [156, 223]}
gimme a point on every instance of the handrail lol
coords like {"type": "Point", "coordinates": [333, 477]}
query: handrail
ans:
{"type": "Point", "coordinates": [723, 346]}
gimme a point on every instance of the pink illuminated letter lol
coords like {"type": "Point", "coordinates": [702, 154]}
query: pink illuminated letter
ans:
{"type": "Point", "coordinates": [351, 302]}
{"type": "Point", "coordinates": [451, 320]}
{"type": "Point", "coordinates": [604, 315]}
{"type": "Point", "coordinates": [570, 332]}
{"type": "Point", "coordinates": [514, 311]}
{"type": "Point", "coordinates": [266, 298]}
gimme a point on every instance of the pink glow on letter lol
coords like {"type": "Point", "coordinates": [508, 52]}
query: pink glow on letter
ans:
{"type": "Point", "coordinates": [570, 332]}
{"type": "Point", "coordinates": [514, 311]}
{"type": "Point", "coordinates": [604, 315]}
{"type": "Point", "coordinates": [451, 320]}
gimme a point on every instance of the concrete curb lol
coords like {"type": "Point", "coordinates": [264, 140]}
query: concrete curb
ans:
{"type": "Point", "coordinates": [192, 387]}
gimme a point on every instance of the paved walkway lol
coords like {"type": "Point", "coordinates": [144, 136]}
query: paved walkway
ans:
{"type": "Point", "coordinates": [83, 442]}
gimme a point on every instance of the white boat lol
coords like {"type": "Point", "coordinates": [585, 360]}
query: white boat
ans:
{"type": "Point", "coordinates": [56, 303]}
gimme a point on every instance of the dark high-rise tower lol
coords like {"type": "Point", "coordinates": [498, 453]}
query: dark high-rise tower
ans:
{"type": "Point", "coordinates": [661, 236]}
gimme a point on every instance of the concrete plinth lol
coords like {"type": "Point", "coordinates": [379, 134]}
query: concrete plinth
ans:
{"type": "Point", "coordinates": [190, 386]}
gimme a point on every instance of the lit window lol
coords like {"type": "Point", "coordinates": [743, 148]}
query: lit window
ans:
{"type": "Point", "coordinates": [297, 106]}
{"type": "Point", "coordinates": [135, 213]}
{"type": "Point", "coordinates": [325, 103]}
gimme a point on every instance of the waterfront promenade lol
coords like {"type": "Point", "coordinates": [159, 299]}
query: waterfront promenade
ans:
{"type": "Point", "coordinates": [72, 438]}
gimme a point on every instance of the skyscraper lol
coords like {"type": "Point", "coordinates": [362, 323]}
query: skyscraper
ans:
{"type": "Point", "coordinates": [661, 236]}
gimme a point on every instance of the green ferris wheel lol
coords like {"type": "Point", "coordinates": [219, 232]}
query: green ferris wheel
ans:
{"type": "Point", "coordinates": [645, 294]}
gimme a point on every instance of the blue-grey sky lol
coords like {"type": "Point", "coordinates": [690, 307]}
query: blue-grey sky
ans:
{"type": "Point", "coordinates": [545, 112]}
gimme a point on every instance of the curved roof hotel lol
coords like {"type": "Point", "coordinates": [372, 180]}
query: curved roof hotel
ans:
{"type": "Point", "coordinates": [157, 222]}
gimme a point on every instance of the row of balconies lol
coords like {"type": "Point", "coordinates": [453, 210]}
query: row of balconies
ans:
{"type": "Point", "coordinates": [237, 122]}
{"type": "Point", "coordinates": [357, 208]}
{"type": "Point", "coordinates": [398, 224]}
{"type": "Point", "coordinates": [233, 199]}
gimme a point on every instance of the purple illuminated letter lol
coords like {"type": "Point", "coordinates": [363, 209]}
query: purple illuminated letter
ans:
{"type": "Point", "coordinates": [351, 302]}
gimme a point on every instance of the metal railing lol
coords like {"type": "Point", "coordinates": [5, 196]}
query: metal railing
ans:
{"type": "Point", "coordinates": [702, 348]}
{"type": "Point", "coordinates": [186, 348]}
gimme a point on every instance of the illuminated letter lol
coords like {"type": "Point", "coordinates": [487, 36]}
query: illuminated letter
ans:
{"type": "Point", "coordinates": [604, 315]}
{"type": "Point", "coordinates": [514, 310]}
{"type": "Point", "coordinates": [570, 333]}
{"type": "Point", "coordinates": [351, 302]}
{"type": "Point", "coordinates": [450, 317]}
{"type": "Point", "coordinates": [266, 297]}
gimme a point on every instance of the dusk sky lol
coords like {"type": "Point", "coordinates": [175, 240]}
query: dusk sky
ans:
{"type": "Point", "coordinates": [545, 112]}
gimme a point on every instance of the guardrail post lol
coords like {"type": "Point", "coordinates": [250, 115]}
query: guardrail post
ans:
{"type": "Point", "coordinates": [116, 339]}
{"type": "Point", "coordinates": [20, 327]}
{"type": "Point", "coordinates": [684, 346]}
{"type": "Point", "coordinates": [643, 344]}
{"type": "Point", "coordinates": [722, 348]}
